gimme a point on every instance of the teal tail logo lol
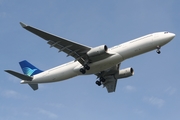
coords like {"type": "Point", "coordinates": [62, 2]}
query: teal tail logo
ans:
{"type": "Point", "coordinates": [28, 71]}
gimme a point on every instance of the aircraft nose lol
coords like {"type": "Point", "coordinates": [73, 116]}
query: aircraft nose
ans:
{"type": "Point", "coordinates": [171, 36]}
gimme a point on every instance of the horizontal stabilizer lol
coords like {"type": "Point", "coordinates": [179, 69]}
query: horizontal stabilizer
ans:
{"type": "Point", "coordinates": [19, 75]}
{"type": "Point", "coordinates": [33, 86]}
{"type": "Point", "coordinates": [23, 25]}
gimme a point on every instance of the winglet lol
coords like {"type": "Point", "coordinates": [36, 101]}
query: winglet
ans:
{"type": "Point", "coordinates": [23, 25]}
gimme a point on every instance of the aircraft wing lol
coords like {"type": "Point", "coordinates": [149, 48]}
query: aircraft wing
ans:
{"type": "Point", "coordinates": [111, 81]}
{"type": "Point", "coordinates": [73, 49]}
{"type": "Point", "coordinates": [110, 84]}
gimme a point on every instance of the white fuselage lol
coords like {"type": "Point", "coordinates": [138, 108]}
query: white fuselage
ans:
{"type": "Point", "coordinates": [120, 53]}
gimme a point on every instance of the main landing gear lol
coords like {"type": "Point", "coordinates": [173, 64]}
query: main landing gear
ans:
{"type": "Point", "coordinates": [158, 49]}
{"type": "Point", "coordinates": [100, 81]}
{"type": "Point", "coordinates": [83, 70]}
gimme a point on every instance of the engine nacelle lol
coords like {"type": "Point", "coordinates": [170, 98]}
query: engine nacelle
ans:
{"type": "Point", "coordinates": [127, 72]}
{"type": "Point", "coordinates": [97, 51]}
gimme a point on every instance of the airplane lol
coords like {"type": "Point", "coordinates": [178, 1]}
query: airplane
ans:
{"type": "Point", "coordinates": [101, 61]}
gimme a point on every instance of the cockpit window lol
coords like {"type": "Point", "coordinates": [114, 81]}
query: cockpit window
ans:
{"type": "Point", "coordinates": [166, 32]}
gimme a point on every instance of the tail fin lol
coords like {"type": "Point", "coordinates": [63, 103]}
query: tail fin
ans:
{"type": "Point", "coordinates": [23, 77]}
{"type": "Point", "coordinates": [28, 68]}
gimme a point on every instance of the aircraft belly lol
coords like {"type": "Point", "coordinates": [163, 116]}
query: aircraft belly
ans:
{"type": "Point", "coordinates": [55, 75]}
{"type": "Point", "coordinates": [104, 64]}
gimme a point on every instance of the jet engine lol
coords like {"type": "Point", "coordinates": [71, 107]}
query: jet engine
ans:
{"type": "Point", "coordinates": [127, 72]}
{"type": "Point", "coordinates": [97, 51]}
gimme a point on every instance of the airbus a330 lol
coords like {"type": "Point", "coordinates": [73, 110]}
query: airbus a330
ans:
{"type": "Point", "coordinates": [101, 61]}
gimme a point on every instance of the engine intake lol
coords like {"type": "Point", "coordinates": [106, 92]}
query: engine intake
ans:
{"type": "Point", "coordinates": [127, 72]}
{"type": "Point", "coordinates": [97, 51]}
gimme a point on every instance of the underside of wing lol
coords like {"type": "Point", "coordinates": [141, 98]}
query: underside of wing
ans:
{"type": "Point", "coordinates": [110, 84]}
{"type": "Point", "coordinates": [109, 77]}
{"type": "Point", "coordinates": [84, 54]}
{"type": "Point", "coordinates": [73, 49]}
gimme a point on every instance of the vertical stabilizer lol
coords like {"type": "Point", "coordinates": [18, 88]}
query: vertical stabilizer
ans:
{"type": "Point", "coordinates": [28, 68]}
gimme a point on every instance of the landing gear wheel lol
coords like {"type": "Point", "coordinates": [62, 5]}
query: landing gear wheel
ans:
{"type": "Point", "coordinates": [158, 49]}
{"type": "Point", "coordinates": [86, 67]}
{"type": "Point", "coordinates": [82, 70]}
{"type": "Point", "coordinates": [98, 83]}
{"type": "Point", "coordinates": [102, 79]}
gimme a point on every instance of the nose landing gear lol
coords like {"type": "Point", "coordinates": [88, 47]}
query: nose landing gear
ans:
{"type": "Point", "coordinates": [158, 49]}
